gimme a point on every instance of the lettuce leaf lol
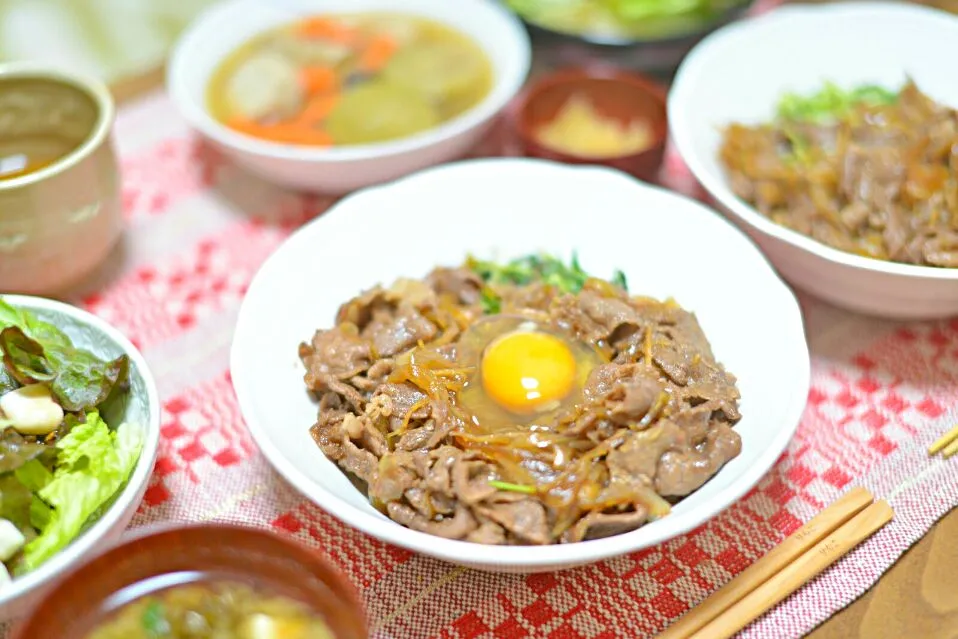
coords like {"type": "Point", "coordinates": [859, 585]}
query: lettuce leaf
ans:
{"type": "Point", "coordinates": [15, 450]}
{"type": "Point", "coordinates": [15, 499]}
{"type": "Point", "coordinates": [37, 351]}
{"type": "Point", "coordinates": [93, 463]}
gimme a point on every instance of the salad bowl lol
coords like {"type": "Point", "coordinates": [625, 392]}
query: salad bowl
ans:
{"type": "Point", "coordinates": [89, 479]}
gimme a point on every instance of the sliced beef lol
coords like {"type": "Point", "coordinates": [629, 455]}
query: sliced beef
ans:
{"type": "Point", "coordinates": [337, 352]}
{"type": "Point", "coordinates": [359, 462]}
{"type": "Point", "coordinates": [526, 519]}
{"type": "Point", "coordinates": [457, 526]}
{"type": "Point", "coordinates": [597, 525]}
{"type": "Point", "coordinates": [470, 481]}
{"type": "Point", "coordinates": [403, 398]}
{"type": "Point", "coordinates": [639, 456]}
{"type": "Point", "coordinates": [487, 533]}
{"type": "Point", "coordinates": [634, 398]}
{"type": "Point", "coordinates": [401, 333]}
{"type": "Point", "coordinates": [396, 474]}
{"type": "Point", "coordinates": [460, 283]}
{"type": "Point", "coordinates": [684, 470]}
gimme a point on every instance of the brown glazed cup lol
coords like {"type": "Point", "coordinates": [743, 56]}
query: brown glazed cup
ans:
{"type": "Point", "coordinates": [620, 95]}
{"type": "Point", "coordinates": [248, 555]}
{"type": "Point", "coordinates": [58, 223]}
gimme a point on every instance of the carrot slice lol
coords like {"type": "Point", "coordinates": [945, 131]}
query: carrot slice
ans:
{"type": "Point", "coordinates": [327, 29]}
{"type": "Point", "coordinates": [287, 132]}
{"type": "Point", "coordinates": [317, 79]}
{"type": "Point", "coordinates": [378, 53]}
{"type": "Point", "coordinates": [243, 125]}
{"type": "Point", "coordinates": [318, 109]}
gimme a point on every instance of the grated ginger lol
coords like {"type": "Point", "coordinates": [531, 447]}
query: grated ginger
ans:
{"type": "Point", "coordinates": [580, 130]}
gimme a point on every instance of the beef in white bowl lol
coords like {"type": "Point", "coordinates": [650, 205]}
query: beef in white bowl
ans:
{"type": "Point", "coordinates": [873, 234]}
{"type": "Point", "coordinates": [366, 378]}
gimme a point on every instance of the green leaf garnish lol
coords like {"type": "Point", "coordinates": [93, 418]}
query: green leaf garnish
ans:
{"type": "Point", "coordinates": [533, 268]}
{"type": "Point", "coordinates": [36, 351]}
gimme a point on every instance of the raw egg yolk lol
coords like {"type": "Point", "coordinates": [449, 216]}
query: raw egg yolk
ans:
{"type": "Point", "coordinates": [525, 371]}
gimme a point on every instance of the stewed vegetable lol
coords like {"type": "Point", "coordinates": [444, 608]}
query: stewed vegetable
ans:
{"type": "Point", "coordinates": [350, 79]}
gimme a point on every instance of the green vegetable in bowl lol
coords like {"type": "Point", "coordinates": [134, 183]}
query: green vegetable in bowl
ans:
{"type": "Point", "coordinates": [60, 462]}
{"type": "Point", "coordinates": [533, 268]}
{"type": "Point", "coordinates": [832, 103]}
{"type": "Point", "coordinates": [622, 19]}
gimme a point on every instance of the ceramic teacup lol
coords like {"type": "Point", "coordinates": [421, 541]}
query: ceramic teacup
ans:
{"type": "Point", "coordinates": [59, 185]}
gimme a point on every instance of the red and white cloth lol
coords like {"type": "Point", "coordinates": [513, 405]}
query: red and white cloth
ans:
{"type": "Point", "coordinates": [198, 228]}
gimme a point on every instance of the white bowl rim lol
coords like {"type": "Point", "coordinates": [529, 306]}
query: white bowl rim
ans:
{"type": "Point", "coordinates": [198, 116]}
{"type": "Point", "coordinates": [86, 545]}
{"type": "Point", "coordinates": [526, 557]}
{"type": "Point", "coordinates": [717, 186]}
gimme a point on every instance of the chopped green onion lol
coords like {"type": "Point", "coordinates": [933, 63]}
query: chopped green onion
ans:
{"type": "Point", "coordinates": [831, 103]}
{"type": "Point", "coordinates": [618, 278]}
{"type": "Point", "coordinates": [155, 622]}
{"type": "Point", "coordinates": [513, 488]}
{"type": "Point", "coordinates": [491, 304]}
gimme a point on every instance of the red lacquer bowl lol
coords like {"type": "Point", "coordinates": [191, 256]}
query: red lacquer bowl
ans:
{"type": "Point", "coordinates": [620, 95]}
{"type": "Point", "coordinates": [257, 557]}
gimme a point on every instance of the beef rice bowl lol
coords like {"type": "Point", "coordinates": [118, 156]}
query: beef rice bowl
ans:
{"type": "Point", "coordinates": [521, 403]}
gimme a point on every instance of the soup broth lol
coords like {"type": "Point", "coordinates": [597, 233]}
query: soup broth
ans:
{"type": "Point", "coordinates": [41, 121]}
{"type": "Point", "coordinates": [24, 156]}
{"type": "Point", "coordinates": [213, 610]}
{"type": "Point", "coordinates": [349, 79]}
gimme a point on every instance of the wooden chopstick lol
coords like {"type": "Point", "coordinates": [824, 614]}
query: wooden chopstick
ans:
{"type": "Point", "coordinates": [817, 528]}
{"type": "Point", "coordinates": [948, 442]}
{"type": "Point", "coordinates": [798, 573]}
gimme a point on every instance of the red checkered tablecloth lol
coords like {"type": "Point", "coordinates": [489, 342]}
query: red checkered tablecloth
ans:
{"type": "Point", "coordinates": [198, 228]}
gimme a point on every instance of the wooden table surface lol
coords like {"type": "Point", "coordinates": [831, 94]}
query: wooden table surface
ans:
{"type": "Point", "coordinates": [916, 599]}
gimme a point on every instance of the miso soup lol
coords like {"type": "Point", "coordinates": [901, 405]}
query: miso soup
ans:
{"type": "Point", "coordinates": [213, 610]}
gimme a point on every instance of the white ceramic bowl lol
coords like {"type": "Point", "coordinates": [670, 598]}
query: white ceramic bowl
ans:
{"type": "Point", "coordinates": [667, 245]}
{"type": "Point", "coordinates": [143, 410]}
{"type": "Point", "coordinates": [224, 27]}
{"type": "Point", "coordinates": [738, 74]}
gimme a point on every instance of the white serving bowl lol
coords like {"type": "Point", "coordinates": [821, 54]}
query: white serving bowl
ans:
{"type": "Point", "coordinates": [143, 410]}
{"type": "Point", "coordinates": [221, 29]}
{"type": "Point", "coordinates": [666, 244]}
{"type": "Point", "coordinates": [739, 73]}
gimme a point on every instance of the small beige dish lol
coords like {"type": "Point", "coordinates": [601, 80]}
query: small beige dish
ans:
{"type": "Point", "coordinates": [59, 187]}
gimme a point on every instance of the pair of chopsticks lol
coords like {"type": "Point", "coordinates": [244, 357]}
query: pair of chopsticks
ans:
{"type": "Point", "coordinates": [948, 443]}
{"type": "Point", "coordinates": [825, 539]}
